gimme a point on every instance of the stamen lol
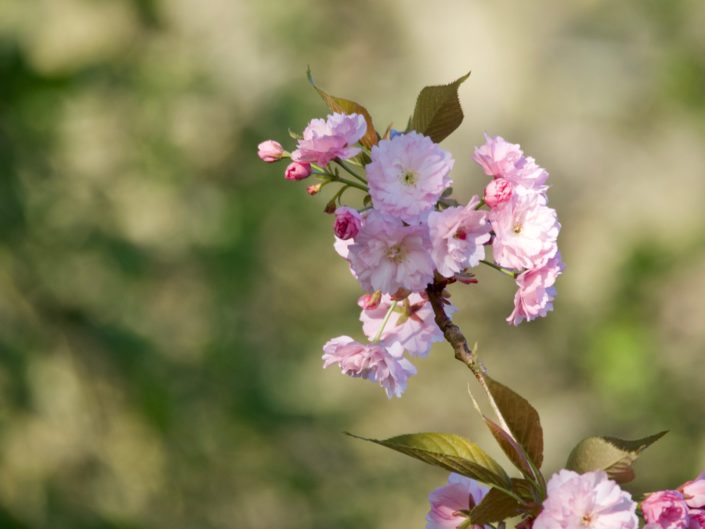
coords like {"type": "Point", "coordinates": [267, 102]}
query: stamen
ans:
{"type": "Point", "coordinates": [408, 178]}
{"type": "Point", "coordinates": [395, 253]}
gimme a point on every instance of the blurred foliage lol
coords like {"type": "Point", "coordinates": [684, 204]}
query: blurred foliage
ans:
{"type": "Point", "coordinates": [164, 295]}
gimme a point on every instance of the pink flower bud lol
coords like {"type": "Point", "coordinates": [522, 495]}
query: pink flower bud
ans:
{"type": "Point", "coordinates": [370, 301]}
{"type": "Point", "coordinates": [665, 509]}
{"type": "Point", "coordinates": [270, 151]}
{"type": "Point", "coordinates": [497, 192]}
{"type": "Point", "coordinates": [697, 519]}
{"type": "Point", "coordinates": [347, 223]}
{"type": "Point", "coordinates": [314, 189]}
{"type": "Point", "coordinates": [297, 171]}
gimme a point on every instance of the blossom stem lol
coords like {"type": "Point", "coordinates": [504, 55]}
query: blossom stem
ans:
{"type": "Point", "coordinates": [350, 183]}
{"type": "Point", "coordinates": [497, 267]}
{"type": "Point", "coordinates": [353, 173]}
{"type": "Point", "coordinates": [384, 322]}
{"type": "Point", "coordinates": [455, 337]}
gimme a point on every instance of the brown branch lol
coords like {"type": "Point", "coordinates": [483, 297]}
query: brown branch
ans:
{"type": "Point", "coordinates": [455, 337]}
{"type": "Point", "coordinates": [452, 333]}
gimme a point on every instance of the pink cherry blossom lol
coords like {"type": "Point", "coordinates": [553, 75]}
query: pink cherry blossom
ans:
{"type": "Point", "coordinates": [323, 141]}
{"type": "Point", "coordinates": [458, 235]}
{"type": "Point", "coordinates": [382, 363]}
{"type": "Point", "coordinates": [526, 231]}
{"type": "Point", "coordinates": [696, 518]}
{"type": "Point", "coordinates": [536, 292]}
{"type": "Point", "coordinates": [270, 151]}
{"type": "Point", "coordinates": [586, 501]}
{"type": "Point", "coordinates": [665, 509]}
{"type": "Point", "coordinates": [388, 256]}
{"type": "Point", "coordinates": [501, 159]}
{"type": "Point", "coordinates": [411, 322]}
{"type": "Point", "coordinates": [297, 171]}
{"type": "Point", "coordinates": [497, 157]}
{"type": "Point", "coordinates": [407, 175]}
{"type": "Point", "coordinates": [347, 222]}
{"type": "Point", "coordinates": [498, 192]}
{"type": "Point", "coordinates": [528, 177]}
{"type": "Point", "coordinates": [694, 492]}
{"type": "Point", "coordinates": [450, 503]}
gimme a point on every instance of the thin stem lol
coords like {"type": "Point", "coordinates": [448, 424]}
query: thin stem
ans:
{"type": "Point", "coordinates": [324, 171]}
{"type": "Point", "coordinates": [339, 194]}
{"type": "Point", "coordinates": [384, 322]}
{"type": "Point", "coordinates": [350, 183]}
{"type": "Point", "coordinates": [344, 166]}
{"type": "Point", "coordinates": [497, 267]}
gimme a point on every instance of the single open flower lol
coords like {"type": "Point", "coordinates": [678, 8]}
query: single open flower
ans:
{"type": "Point", "coordinates": [586, 501]}
{"type": "Point", "coordinates": [388, 256]}
{"type": "Point", "coordinates": [407, 175]}
{"type": "Point", "coordinates": [382, 363]}
{"type": "Point", "coordinates": [323, 141]}
{"type": "Point", "coordinates": [451, 503]}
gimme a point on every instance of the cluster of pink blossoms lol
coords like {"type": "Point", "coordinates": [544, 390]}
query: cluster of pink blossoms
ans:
{"type": "Point", "coordinates": [575, 501]}
{"type": "Point", "coordinates": [579, 501]}
{"type": "Point", "coordinates": [412, 234]}
{"type": "Point", "coordinates": [683, 508]}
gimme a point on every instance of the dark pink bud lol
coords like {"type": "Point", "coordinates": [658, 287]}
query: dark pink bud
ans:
{"type": "Point", "coordinates": [497, 192]}
{"type": "Point", "coordinates": [297, 171]}
{"type": "Point", "coordinates": [270, 151]}
{"type": "Point", "coordinates": [370, 301]}
{"type": "Point", "coordinates": [665, 509]}
{"type": "Point", "coordinates": [347, 223]}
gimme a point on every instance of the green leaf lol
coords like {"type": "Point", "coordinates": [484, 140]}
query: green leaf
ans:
{"type": "Point", "coordinates": [438, 111]}
{"type": "Point", "coordinates": [614, 456]}
{"type": "Point", "coordinates": [526, 490]}
{"type": "Point", "coordinates": [346, 106]}
{"type": "Point", "coordinates": [450, 452]}
{"type": "Point", "coordinates": [521, 417]}
{"type": "Point", "coordinates": [496, 506]}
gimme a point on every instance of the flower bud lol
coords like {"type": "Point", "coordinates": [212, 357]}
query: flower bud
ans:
{"type": "Point", "coordinates": [347, 223]}
{"type": "Point", "coordinates": [270, 151]}
{"type": "Point", "coordinates": [297, 171]}
{"type": "Point", "coordinates": [370, 301]}
{"type": "Point", "coordinates": [497, 192]}
{"type": "Point", "coordinates": [314, 189]}
{"type": "Point", "coordinates": [665, 509]}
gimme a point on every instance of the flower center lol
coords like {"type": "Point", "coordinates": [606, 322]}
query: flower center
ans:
{"type": "Point", "coordinates": [408, 178]}
{"type": "Point", "coordinates": [395, 253]}
{"type": "Point", "coordinates": [586, 520]}
{"type": "Point", "coordinates": [517, 228]}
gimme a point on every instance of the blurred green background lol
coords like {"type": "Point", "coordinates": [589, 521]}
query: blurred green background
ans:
{"type": "Point", "coordinates": [164, 295]}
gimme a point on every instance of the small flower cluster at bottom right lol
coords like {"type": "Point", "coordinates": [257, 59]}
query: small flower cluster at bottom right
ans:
{"type": "Point", "coordinates": [578, 501]}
